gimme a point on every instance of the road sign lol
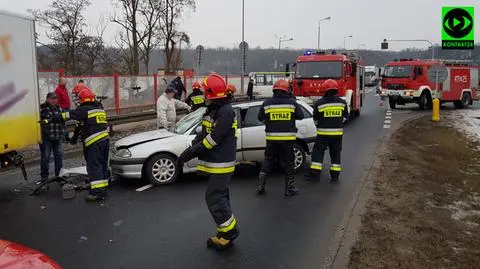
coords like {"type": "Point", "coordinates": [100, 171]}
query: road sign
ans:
{"type": "Point", "coordinates": [437, 74]}
{"type": "Point", "coordinates": [199, 54]}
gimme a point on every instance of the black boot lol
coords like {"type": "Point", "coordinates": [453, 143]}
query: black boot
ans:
{"type": "Point", "coordinates": [290, 189]}
{"type": "Point", "coordinates": [334, 176]}
{"type": "Point", "coordinates": [96, 195]}
{"type": "Point", "coordinates": [312, 176]}
{"type": "Point", "coordinates": [262, 178]}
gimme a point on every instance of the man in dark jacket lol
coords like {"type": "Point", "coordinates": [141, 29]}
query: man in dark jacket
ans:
{"type": "Point", "coordinates": [196, 99]}
{"type": "Point", "coordinates": [279, 114]}
{"type": "Point", "coordinates": [216, 149]}
{"type": "Point", "coordinates": [329, 113]}
{"type": "Point", "coordinates": [177, 84]}
{"type": "Point", "coordinates": [52, 135]}
{"type": "Point", "coordinates": [250, 89]}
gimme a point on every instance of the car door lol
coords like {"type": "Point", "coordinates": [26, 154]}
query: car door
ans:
{"type": "Point", "coordinates": [253, 135]}
{"type": "Point", "coordinates": [306, 128]}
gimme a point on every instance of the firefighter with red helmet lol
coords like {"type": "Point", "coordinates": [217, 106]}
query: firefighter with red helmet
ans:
{"type": "Point", "coordinates": [196, 99]}
{"type": "Point", "coordinates": [231, 88]}
{"type": "Point", "coordinates": [216, 146]}
{"type": "Point", "coordinates": [94, 133]}
{"type": "Point", "coordinates": [279, 114]}
{"type": "Point", "coordinates": [329, 113]}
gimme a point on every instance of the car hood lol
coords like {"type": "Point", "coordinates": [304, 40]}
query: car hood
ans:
{"type": "Point", "coordinates": [16, 256]}
{"type": "Point", "coordinates": [144, 137]}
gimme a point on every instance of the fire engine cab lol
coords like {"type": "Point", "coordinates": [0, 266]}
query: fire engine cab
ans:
{"type": "Point", "coordinates": [314, 68]}
{"type": "Point", "coordinates": [408, 81]}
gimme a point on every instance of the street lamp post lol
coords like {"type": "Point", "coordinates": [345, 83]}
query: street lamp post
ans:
{"type": "Point", "coordinates": [242, 83]}
{"type": "Point", "coordinates": [318, 36]}
{"type": "Point", "coordinates": [344, 41]}
{"type": "Point", "coordinates": [281, 40]}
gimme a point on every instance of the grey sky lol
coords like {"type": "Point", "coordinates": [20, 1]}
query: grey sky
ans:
{"type": "Point", "coordinates": [218, 22]}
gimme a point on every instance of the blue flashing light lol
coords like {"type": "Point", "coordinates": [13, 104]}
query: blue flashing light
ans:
{"type": "Point", "coordinates": [308, 53]}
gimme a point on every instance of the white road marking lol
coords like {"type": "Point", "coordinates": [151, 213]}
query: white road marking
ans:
{"type": "Point", "coordinates": [146, 187]}
{"type": "Point", "coordinates": [388, 117]}
{"type": "Point", "coordinates": [388, 121]}
{"type": "Point", "coordinates": [386, 126]}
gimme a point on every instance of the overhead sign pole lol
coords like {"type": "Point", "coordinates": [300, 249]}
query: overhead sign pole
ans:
{"type": "Point", "coordinates": [385, 43]}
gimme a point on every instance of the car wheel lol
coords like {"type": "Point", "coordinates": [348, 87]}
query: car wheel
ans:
{"type": "Point", "coordinates": [300, 156]}
{"type": "Point", "coordinates": [161, 169]}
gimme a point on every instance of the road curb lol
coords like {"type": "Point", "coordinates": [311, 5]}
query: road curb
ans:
{"type": "Point", "coordinates": [347, 233]}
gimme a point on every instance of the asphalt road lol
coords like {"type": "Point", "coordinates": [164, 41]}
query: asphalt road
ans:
{"type": "Point", "coordinates": [166, 227]}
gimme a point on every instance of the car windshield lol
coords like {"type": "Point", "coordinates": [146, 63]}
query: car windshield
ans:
{"type": "Point", "coordinates": [320, 70]}
{"type": "Point", "coordinates": [189, 121]}
{"type": "Point", "coordinates": [400, 71]}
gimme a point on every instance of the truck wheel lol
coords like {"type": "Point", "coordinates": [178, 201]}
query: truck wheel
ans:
{"type": "Point", "coordinates": [425, 101]}
{"type": "Point", "coordinates": [392, 103]}
{"type": "Point", "coordinates": [161, 169]}
{"type": "Point", "coordinates": [300, 156]}
{"type": "Point", "coordinates": [465, 102]}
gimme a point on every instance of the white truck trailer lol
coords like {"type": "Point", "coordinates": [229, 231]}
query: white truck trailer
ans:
{"type": "Point", "coordinates": [19, 102]}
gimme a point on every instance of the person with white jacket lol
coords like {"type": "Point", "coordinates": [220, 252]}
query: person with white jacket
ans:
{"type": "Point", "coordinates": [167, 107]}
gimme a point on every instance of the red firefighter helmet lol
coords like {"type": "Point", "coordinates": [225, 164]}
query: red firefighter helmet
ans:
{"type": "Point", "coordinates": [215, 87]}
{"type": "Point", "coordinates": [196, 85]}
{"type": "Point", "coordinates": [231, 89]}
{"type": "Point", "coordinates": [330, 85]}
{"type": "Point", "coordinates": [86, 95]}
{"type": "Point", "coordinates": [281, 85]}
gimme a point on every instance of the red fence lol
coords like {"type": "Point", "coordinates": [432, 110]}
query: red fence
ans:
{"type": "Point", "coordinates": [122, 93]}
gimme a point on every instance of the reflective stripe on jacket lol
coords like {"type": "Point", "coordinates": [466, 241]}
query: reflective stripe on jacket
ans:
{"type": "Point", "coordinates": [216, 145]}
{"type": "Point", "coordinates": [280, 113]}
{"type": "Point", "coordinates": [328, 113]}
{"type": "Point", "coordinates": [93, 122]}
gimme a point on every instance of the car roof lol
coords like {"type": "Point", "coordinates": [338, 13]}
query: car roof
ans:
{"type": "Point", "coordinates": [247, 104]}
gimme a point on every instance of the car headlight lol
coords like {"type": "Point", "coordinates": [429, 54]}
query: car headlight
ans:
{"type": "Point", "coordinates": [123, 153]}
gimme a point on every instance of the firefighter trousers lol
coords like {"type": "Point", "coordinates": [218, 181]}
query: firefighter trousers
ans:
{"type": "Point", "coordinates": [282, 151]}
{"type": "Point", "coordinates": [334, 145]}
{"type": "Point", "coordinates": [217, 197]}
{"type": "Point", "coordinates": [96, 156]}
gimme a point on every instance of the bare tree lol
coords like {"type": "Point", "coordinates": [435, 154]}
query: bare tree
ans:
{"type": "Point", "coordinates": [141, 35]}
{"type": "Point", "coordinates": [152, 34]}
{"type": "Point", "coordinates": [172, 14]}
{"type": "Point", "coordinates": [93, 49]}
{"type": "Point", "coordinates": [65, 25]}
{"type": "Point", "coordinates": [182, 38]}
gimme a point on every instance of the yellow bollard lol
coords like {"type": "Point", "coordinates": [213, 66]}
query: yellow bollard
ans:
{"type": "Point", "coordinates": [436, 110]}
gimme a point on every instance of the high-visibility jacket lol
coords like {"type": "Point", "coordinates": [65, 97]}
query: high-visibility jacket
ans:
{"type": "Point", "coordinates": [216, 145]}
{"type": "Point", "coordinates": [93, 122]}
{"type": "Point", "coordinates": [279, 114]}
{"type": "Point", "coordinates": [196, 99]}
{"type": "Point", "coordinates": [329, 113]}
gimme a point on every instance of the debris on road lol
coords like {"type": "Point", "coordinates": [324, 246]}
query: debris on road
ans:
{"type": "Point", "coordinates": [83, 238]}
{"type": "Point", "coordinates": [425, 209]}
{"type": "Point", "coordinates": [118, 223]}
{"type": "Point", "coordinates": [43, 207]}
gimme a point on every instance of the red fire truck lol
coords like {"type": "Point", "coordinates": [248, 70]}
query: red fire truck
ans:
{"type": "Point", "coordinates": [313, 68]}
{"type": "Point", "coordinates": [408, 81]}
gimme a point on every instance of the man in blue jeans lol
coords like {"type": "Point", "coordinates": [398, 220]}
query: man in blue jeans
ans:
{"type": "Point", "coordinates": [52, 135]}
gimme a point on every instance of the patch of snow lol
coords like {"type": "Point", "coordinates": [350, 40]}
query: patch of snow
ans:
{"type": "Point", "coordinates": [461, 210]}
{"type": "Point", "coordinates": [467, 120]}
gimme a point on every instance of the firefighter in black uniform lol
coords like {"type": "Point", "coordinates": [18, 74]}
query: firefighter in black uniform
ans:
{"type": "Point", "coordinates": [216, 148]}
{"type": "Point", "coordinates": [279, 114]}
{"type": "Point", "coordinates": [329, 113]}
{"type": "Point", "coordinates": [196, 100]}
{"type": "Point", "coordinates": [94, 133]}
